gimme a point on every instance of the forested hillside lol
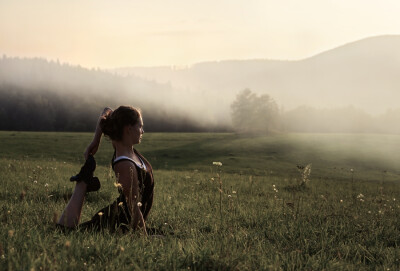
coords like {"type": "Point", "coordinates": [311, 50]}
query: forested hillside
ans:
{"type": "Point", "coordinates": [41, 95]}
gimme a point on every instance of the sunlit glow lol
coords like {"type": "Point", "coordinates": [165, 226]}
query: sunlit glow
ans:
{"type": "Point", "coordinates": [182, 32]}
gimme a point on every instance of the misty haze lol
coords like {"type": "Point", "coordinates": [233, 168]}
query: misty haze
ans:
{"type": "Point", "coordinates": [353, 88]}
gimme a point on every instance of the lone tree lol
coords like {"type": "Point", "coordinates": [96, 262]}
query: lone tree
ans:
{"type": "Point", "coordinates": [254, 114]}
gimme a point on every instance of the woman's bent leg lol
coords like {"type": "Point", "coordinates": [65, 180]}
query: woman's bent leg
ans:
{"type": "Point", "coordinates": [72, 213]}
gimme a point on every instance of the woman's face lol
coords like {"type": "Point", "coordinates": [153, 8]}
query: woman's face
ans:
{"type": "Point", "coordinates": [137, 131]}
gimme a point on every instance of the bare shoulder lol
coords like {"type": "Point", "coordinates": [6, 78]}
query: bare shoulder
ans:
{"type": "Point", "coordinates": [125, 168]}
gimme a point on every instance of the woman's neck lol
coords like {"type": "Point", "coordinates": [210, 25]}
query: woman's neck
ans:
{"type": "Point", "coordinates": [122, 149]}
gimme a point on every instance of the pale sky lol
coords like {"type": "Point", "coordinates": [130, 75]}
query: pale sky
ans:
{"type": "Point", "coordinates": [110, 34]}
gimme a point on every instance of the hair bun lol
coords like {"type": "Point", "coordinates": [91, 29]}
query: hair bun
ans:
{"type": "Point", "coordinates": [107, 126]}
{"type": "Point", "coordinates": [112, 125]}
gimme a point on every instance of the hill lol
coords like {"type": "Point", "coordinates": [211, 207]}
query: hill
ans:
{"type": "Point", "coordinates": [41, 95]}
{"type": "Point", "coordinates": [361, 73]}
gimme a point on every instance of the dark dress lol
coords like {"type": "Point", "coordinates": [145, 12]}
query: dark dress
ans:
{"type": "Point", "coordinates": [116, 216]}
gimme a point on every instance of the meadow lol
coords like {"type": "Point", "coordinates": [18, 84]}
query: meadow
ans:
{"type": "Point", "coordinates": [281, 202]}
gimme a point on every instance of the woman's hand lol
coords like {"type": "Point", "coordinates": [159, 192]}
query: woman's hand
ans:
{"type": "Point", "coordinates": [106, 111]}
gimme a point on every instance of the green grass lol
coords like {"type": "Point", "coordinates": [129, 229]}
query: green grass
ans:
{"type": "Point", "coordinates": [325, 225]}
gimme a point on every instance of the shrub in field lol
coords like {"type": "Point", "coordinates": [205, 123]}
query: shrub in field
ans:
{"type": "Point", "coordinates": [305, 172]}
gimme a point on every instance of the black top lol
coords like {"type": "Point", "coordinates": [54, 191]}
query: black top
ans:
{"type": "Point", "coordinates": [146, 183]}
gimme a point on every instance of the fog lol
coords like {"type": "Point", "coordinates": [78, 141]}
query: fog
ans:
{"type": "Point", "coordinates": [36, 94]}
{"type": "Point", "coordinates": [353, 88]}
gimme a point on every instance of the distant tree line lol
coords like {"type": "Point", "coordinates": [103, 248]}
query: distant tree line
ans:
{"type": "Point", "coordinates": [44, 110]}
{"type": "Point", "coordinates": [38, 95]}
{"type": "Point", "coordinates": [259, 114]}
{"type": "Point", "coordinates": [33, 109]}
{"type": "Point", "coordinates": [41, 110]}
{"type": "Point", "coordinates": [41, 95]}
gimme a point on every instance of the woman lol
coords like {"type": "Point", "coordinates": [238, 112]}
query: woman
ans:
{"type": "Point", "coordinates": [134, 174]}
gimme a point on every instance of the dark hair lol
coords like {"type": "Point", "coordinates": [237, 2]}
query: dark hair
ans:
{"type": "Point", "coordinates": [113, 124]}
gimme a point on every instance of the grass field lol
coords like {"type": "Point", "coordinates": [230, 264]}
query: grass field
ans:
{"type": "Point", "coordinates": [345, 217]}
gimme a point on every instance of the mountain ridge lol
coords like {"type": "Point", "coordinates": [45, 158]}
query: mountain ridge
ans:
{"type": "Point", "coordinates": [360, 68]}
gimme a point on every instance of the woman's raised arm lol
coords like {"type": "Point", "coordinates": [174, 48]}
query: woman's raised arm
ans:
{"type": "Point", "coordinates": [94, 145]}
